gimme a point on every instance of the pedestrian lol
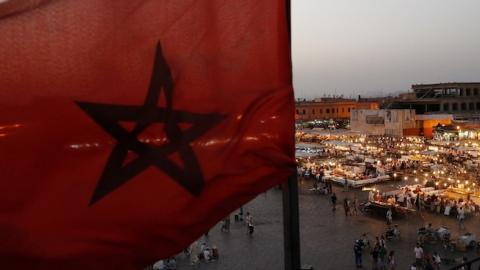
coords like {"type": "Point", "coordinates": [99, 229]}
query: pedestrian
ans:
{"type": "Point", "coordinates": [194, 252]}
{"type": "Point", "coordinates": [159, 265]}
{"type": "Point", "coordinates": [464, 260]}
{"type": "Point", "coordinates": [170, 264]}
{"type": "Point", "coordinates": [345, 206]}
{"type": "Point", "coordinates": [375, 254]}
{"type": "Point", "coordinates": [417, 201]}
{"type": "Point", "coordinates": [383, 242]}
{"type": "Point", "coordinates": [249, 222]}
{"type": "Point", "coordinates": [334, 201]}
{"type": "Point", "coordinates": [223, 226]}
{"type": "Point", "coordinates": [365, 241]}
{"type": "Point", "coordinates": [461, 218]}
{"type": "Point", "coordinates": [436, 261]}
{"type": "Point", "coordinates": [371, 196]}
{"type": "Point", "coordinates": [240, 214]}
{"type": "Point", "coordinates": [391, 260]}
{"type": "Point", "coordinates": [418, 250]}
{"type": "Point", "coordinates": [357, 250]}
{"type": "Point", "coordinates": [382, 257]}
{"type": "Point", "coordinates": [377, 241]}
{"type": "Point", "coordinates": [428, 263]}
{"type": "Point", "coordinates": [389, 216]}
{"type": "Point", "coordinates": [227, 224]}
{"type": "Point", "coordinates": [413, 267]}
{"type": "Point", "coordinates": [354, 208]}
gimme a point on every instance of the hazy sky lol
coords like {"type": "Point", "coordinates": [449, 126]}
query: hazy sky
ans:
{"type": "Point", "coordinates": [369, 47]}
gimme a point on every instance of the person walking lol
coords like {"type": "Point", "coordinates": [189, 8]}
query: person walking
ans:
{"type": "Point", "coordinates": [223, 227]}
{"type": "Point", "coordinates": [461, 218]}
{"type": "Point", "coordinates": [375, 253]}
{"type": "Point", "coordinates": [249, 222]}
{"type": "Point", "coordinates": [428, 264]}
{"type": "Point", "coordinates": [357, 250]}
{"type": "Point", "coordinates": [355, 206]}
{"type": "Point", "coordinates": [389, 216]}
{"type": "Point", "coordinates": [334, 202]}
{"type": "Point", "coordinates": [194, 252]}
{"type": "Point", "coordinates": [418, 250]}
{"type": "Point", "coordinates": [391, 261]}
{"type": "Point", "coordinates": [436, 261]}
{"type": "Point", "coordinates": [227, 224]}
{"type": "Point", "coordinates": [383, 242]}
{"type": "Point", "coordinates": [346, 207]}
{"type": "Point", "coordinates": [382, 257]}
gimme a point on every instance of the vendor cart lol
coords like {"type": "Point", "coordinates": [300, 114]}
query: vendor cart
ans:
{"type": "Point", "coordinates": [381, 208]}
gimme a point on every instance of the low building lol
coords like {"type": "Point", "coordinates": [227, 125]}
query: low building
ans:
{"type": "Point", "coordinates": [329, 108]}
{"type": "Point", "coordinates": [427, 123]}
{"type": "Point", "coordinates": [401, 122]}
{"type": "Point", "coordinates": [461, 99]}
{"type": "Point", "coordinates": [382, 122]}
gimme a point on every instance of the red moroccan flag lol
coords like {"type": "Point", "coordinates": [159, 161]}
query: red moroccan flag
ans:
{"type": "Point", "coordinates": [129, 128]}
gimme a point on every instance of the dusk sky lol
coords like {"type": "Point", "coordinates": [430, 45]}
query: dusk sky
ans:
{"type": "Point", "coordinates": [372, 47]}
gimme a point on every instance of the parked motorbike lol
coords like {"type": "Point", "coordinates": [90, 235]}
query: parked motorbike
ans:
{"type": "Point", "coordinates": [424, 236]}
{"type": "Point", "coordinates": [392, 233]}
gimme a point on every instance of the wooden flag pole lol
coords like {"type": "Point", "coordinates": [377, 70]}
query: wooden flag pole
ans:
{"type": "Point", "coordinates": [291, 224]}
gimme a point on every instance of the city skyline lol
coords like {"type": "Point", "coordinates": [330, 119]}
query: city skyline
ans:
{"type": "Point", "coordinates": [372, 48]}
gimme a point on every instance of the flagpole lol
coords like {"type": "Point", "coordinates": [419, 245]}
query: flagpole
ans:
{"type": "Point", "coordinates": [291, 224]}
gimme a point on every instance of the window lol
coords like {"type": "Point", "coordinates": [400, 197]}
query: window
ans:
{"type": "Point", "coordinates": [463, 106]}
{"type": "Point", "coordinates": [468, 92]}
{"type": "Point", "coordinates": [471, 106]}
{"type": "Point", "coordinates": [320, 111]}
{"type": "Point", "coordinates": [478, 106]}
{"type": "Point", "coordinates": [328, 110]}
{"type": "Point", "coordinates": [343, 109]}
{"type": "Point", "coordinates": [454, 107]}
{"type": "Point", "coordinates": [313, 111]}
{"type": "Point", "coordinates": [303, 111]}
{"type": "Point", "coordinates": [297, 111]}
{"type": "Point", "coordinates": [475, 91]}
{"type": "Point", "coordinates": [374, 120]}
{"type": "Point", "coordinates": [355, 116]}
{"type": "Point", "coordinates": [348, 109]}
{"type": "Point", "coordinates": [337, 110]}
{"type": "Point", "coordinates": [446, 107]}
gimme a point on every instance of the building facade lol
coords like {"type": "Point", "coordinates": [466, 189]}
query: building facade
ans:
{"type": "Point", "coordinates": [396, 122]}
{"type": "Point", "coordinates": [382, 122]}
{"type": "Point", "coordinates": [459, 99]}
{"type": "Point", "coordinates": [327, 108]}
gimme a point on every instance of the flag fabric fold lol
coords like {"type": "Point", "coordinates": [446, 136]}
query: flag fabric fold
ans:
{"type": "Point", "coordinates": [129, 128]}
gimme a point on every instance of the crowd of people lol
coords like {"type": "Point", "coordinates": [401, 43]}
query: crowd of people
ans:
{"type": "Point", "coordinates": [382, 259]}
{"type": "Point", "coordinates": [421, 201]}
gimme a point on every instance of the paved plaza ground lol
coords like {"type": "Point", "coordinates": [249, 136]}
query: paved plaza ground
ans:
{"type": "Point", "coordinates": [327, 238]}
